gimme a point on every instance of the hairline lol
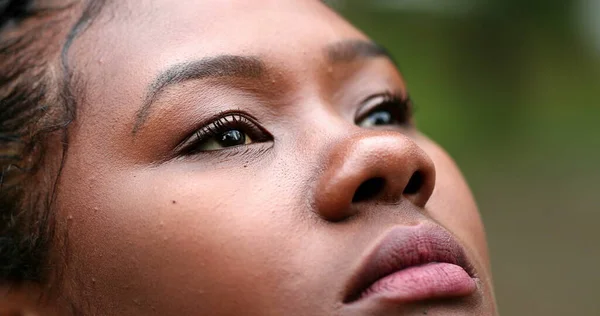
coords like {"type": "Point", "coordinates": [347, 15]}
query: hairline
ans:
{"type": "Point", "coordinates": [71, 87]}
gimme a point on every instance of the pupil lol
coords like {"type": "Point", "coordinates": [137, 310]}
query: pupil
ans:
{"type": "Point", "coordinates": [381, 118]}
{"type": "Point", "coordinates": [232, 138]}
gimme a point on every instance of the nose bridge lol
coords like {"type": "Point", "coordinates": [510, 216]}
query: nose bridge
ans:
{"type": "Point", "coordinates": [375, 166]}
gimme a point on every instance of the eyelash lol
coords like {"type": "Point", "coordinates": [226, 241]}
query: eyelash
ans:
{"type": "Point", "coordinates": [225, 121]}
{"type": "Point", "coordinates": [399, 106]}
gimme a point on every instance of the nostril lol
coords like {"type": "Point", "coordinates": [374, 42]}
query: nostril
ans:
{"type": "Point", "coordinates": [414, 184]}
{"type": "Point", "coordinates": [368, 190]}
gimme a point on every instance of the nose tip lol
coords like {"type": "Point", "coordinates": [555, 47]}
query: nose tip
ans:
{"type": "Point", "coordinates": [385, 167]}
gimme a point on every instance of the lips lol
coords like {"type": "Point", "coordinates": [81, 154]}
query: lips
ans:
{"type": "Point", "coordinates": [414, 263]}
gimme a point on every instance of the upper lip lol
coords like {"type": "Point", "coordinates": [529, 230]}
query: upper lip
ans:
{"type": "Point", "coordinates": [404, 247]}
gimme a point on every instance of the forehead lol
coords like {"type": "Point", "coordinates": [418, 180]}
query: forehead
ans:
{"type": "Point", "coordinates": [153, 33]}
{"type": "Point", "coordinates": [132, 41]}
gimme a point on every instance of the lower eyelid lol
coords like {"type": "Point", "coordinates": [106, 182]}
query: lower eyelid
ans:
{"type": "Point", "coordinates": [251, 152]}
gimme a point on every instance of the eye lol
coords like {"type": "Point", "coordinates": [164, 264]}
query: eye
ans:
{"type": "Point", "coordinates": [229, 138]}
{"type": "Point", "coordinates": [384, 110]}
{"type": "Point", "coordinates": [229, 130]}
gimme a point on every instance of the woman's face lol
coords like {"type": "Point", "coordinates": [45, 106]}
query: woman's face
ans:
{"type": "Point", "coordinates": [257, 158]}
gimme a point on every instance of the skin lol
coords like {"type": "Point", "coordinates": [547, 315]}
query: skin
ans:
{"type": "Point", "coordinates": [267, 228]}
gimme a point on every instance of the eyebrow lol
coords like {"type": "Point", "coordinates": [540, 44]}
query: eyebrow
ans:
{"type": "Point", "coordinates": [210, 67]}
{"type": "Point", "coordinates": [351, 50]}
{"type": "Point", "coordinates": [244, 67]}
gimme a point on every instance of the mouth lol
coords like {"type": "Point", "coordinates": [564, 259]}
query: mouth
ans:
{"type": "Point", "coordinates": [412, 264]}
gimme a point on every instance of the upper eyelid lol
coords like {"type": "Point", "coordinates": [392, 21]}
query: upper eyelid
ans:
{"type": "Point", "coordinates": [367, 104]}
{"type": "Point", "coordinates": [201, 132]}
{"type": "Point", "coordinates": [213, 118]}
{"type": "Point", "coordinates": [214, 122]}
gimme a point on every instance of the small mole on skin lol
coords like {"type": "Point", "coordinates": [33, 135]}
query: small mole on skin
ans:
{"type": "Point", "coordinates": [174, 202]}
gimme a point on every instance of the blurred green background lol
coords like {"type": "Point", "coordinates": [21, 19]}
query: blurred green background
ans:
{"type": "Point", "coordinates": [510, 88]}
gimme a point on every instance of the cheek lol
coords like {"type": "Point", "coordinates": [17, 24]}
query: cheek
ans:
{"type": "Point", "coordinates": [175, 241]}
{"type": "Point", "coordinates": [452, 204]}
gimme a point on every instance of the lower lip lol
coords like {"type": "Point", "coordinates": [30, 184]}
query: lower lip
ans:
{"type": "Point", "coordinates": [429, 281]}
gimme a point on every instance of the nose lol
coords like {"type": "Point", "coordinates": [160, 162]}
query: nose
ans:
{"type": "Point", "coordinates": [372, 167]}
